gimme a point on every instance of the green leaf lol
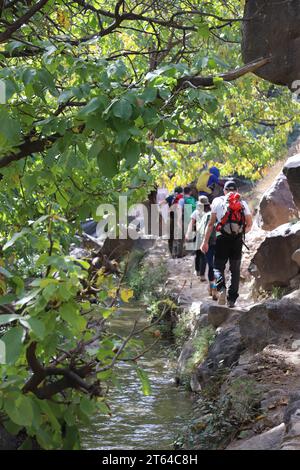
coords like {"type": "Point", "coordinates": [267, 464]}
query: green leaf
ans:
{"type": "Point", "coordinates": [132, 152]}
{"type": "Point", "coordinates": [5, 272]}
{"type": "Point", "coordinates": [4, 319]}
{"type": "Point", "coordinates": [30, 296]}
{"type": "Point", "coordinates": [12, 45]}
{"type": "Point", "coordinates": [143, 376]}
{"type": "Point", "coordinates": [71, 438]}
{"type": "Point", "coordinates": [36, 326]}
{"type": "Point", "coordinates": [92, 106]}
{"type": "Point", "coordinates": [49, 291]}
{"type": "Point", "coordinates": [84, 264]}
{"type": "Point", "coordinates": [70, 314]}
{"type": "Point", "coordinates": [19, 408]}
{"type": "Point", "coordinates": [7, 299]}
{"type": "Point", "coordinates": [122, 109]}
{"type": "Point", "coordinates": [11, 345]}
{"type": "Point", "coordinates": [14, 238]}
{"type": "Point", "coordinates": [87, 406]}
{"type": "Point", "coordinates": [203, 30]}
{"type": "Point", "coordinates": [149, 95]}
{"type": "Point", "coordinates": [108, 163]}
{"type": "Point", "coordinates": [10, 130]}
{"type": "Point", "coordinates": [11, 427]}
{"type": "Point", "coordinates": [26, 445]}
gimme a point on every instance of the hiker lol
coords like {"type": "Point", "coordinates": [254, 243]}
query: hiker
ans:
{"type": "Point", "coordinates": [233, 218]}
{"type": "Point", "coordinates": [199, 222]}
{"type": "Point", "coordinates": [188, 199]}
{"type": "Point", "coordinates": [172, 200]}
{"type": "Point", "coordinates": [209, 183]}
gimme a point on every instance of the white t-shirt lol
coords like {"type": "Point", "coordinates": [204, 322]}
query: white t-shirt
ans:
{"type": "Point", "coordinates": [218, 207]}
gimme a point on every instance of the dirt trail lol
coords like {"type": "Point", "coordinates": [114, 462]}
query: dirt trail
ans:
{"type": "Point", "coordinates": [276, 369]}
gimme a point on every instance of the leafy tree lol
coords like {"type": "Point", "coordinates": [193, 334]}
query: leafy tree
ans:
{"type": "Point", "coordinates": [104, 98]}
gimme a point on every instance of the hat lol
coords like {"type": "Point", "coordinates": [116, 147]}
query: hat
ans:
{"type": "Point", "coordinates": [203, 201]}
{"type": "Point", "coordinates": [230, 186]}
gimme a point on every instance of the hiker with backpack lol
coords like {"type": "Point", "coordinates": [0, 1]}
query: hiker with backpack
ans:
{"type": "Point", "coordinates": [188, 199]}
{"type": "Point", "coordinates": [199, 221]}
{"type": "Point", "coordinates": [232, 218]}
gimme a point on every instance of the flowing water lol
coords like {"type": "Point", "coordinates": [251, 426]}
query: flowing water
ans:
{"type": "Point", "coordinates": [139, 421]}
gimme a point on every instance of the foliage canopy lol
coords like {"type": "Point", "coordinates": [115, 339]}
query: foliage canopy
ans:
{"type": "Point", "coordinates": [104, 98]}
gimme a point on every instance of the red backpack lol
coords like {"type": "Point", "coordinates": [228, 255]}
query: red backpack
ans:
{"type": "Point", "coordinates": [177, 198]}
{"type": "Point", "coordinates": [233, 221]}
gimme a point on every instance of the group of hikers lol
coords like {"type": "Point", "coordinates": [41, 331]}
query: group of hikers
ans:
{"type": "Point", "coordinates": [218, 223]}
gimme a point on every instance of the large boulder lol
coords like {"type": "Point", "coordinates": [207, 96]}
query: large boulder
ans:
{"type": "Point", "coordinates": [222, 354]}
{"type": "Point", "coordinates": [118, 249]}
{"type": "Point", "coordinates": [269, 322]}
{"type": "Point", "coordinates": [217, 314]}
{"type": "Point", "coordinates": [269, 440]}
{"type": "Point", "coordinates": [272, 30]}
{"type": "Point", "coordinates": [277, 205]}
{"type": "Point", "coordinates": [291, 170]}
{"type": "Point", "coordinates": [273, 260]}
{"type": "Point", "coordinates": [291, 439]}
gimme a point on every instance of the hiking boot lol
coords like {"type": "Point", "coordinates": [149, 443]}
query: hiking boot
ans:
{"type": "Point", "coordinates": [222, 297]}
{"type": "Point", "coordinates": [214, 294]}
{"type": "Point", "coordinates": [212, 291]}
{"type": "Point", "coordinates": [230, 303]}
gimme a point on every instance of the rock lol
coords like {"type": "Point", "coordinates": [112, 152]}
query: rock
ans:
{"type": "Point", "coordinates": [182, 365]}
{"type": "Point", "coordinates": [195, 385]}
{"type": "Point", "coordinates": [295, 345]}
{"type": "Point", "coordinates": [255, 328]}
{"type": "Point", "coordinates": [202, 321]}
{"type": "Point", "coordinates": [291, 439]}
{"type": "Point", "coordinates": [284, 316]}
{"type": "Point", "coordinates": [117, 249]}
{"type": "Point", "coordinates": [292, 172]}
{"type": "Point", "coordinates": [295, 282]}
{"type": "Point", "coordinates": [293, 296]}
{"type": "Point", "coordinates": [80, 253]}
{"type": "Point", "coordinates": [223, 353]}
{"type": "Point", "coordinates": [269, 440]}
{"type": "Point", "coordinates": [296, 257]}
{"type": "Point", "coordinates": [217, 314]}
{"type": "Point", "coordinates": [272, 30]}
{"type": "Point", "coordinates": [277, 205]}
{"type": "Point", "coordinates": [272, 260]}
{"type": "Point", "coordinates": [269, 322]}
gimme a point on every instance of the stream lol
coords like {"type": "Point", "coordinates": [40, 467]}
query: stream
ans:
{"type": "Point", "coordinates": [139, 421]}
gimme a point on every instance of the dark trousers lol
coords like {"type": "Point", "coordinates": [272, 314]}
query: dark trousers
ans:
{"type": "Point", "coordinates": [201, 260]}
{"type": "Point", "coordinates": [228, 249]}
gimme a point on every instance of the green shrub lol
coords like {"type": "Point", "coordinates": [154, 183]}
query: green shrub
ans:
{"type": "Point", "coordinates": [219, 420]}
{"type": "Point", "coordinates": [201, 343]}
{"type": "Point", "coordinates": [148, 280]}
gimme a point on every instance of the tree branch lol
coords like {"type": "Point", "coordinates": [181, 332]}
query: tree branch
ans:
{"type": "Point", "coordinates": [230, 76]}
{"type": "Point", "coordinates": [21, 21]}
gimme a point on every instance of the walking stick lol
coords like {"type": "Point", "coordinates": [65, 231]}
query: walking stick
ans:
{"type": "Point", "coordinates": [192, 275]}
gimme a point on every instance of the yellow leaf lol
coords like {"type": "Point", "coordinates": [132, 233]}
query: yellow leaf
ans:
{"type": "Point", "coordinates": [112, 292]}
{"type": "Point", "coordinates": [100, 276]}
{"type": "Point", "coordinates": [126, 294]}
{"type": "Point", "coordinates": [259, 417]}
{"type": "Point", "coordinates": [63, 19]}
